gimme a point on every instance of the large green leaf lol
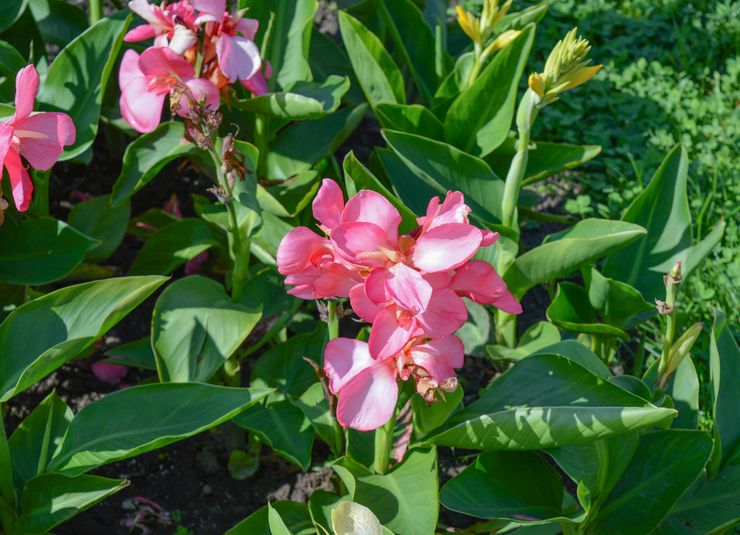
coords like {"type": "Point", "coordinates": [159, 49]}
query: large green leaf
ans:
{"type": "Point", "coordinates": [133, 421]}
{"type": "Point", "coordinates": [59, 22]}
{"type": "Point", "coordinates": [301, 145]}
{"type": "Point", "coordinates": [665, 464]}
{"type": "Point", "coordinates": [480, 117]}
{"type": "Point", "coordinates": [37, 437]}
{"type": "Point", "coordinates": [293, 515]}
{"type": "Point", "coordinates": [71, 319]}
{"type": "Point", "coordinates": [174, 245]}
{"type": "Point", "coordinates": [684, 389]}
{"type": "Point", "coordinates": [147, 155]}
{"type": "Point", "coordinates": [77, 79]}
{"type": "Point", "coordinates": [663, 209]}
{"type": "Point", "coordinates": [406, 499]}
{"type": "Point", "coordinates": [547, 401]}
{"type": "Point", "coordinates": [513, 485]}
{"type": "Point", "coordinates": [414, 41]}
{"type": "Point", "coordinates": [284, 428]}
{"type": "Point", "coordinates": [196, 328]}
{"type": "Point", "coordinates": [430, 416]}
{"type": "Point", "coordinates": [12, 10]}
{"type": "Point", "coordinates": [379, 77]}
{"type": "Point", "coordinates": [571, 310]}
{"type": "Point", "coordinates": [315, 407]}
{"type": "Point", "coordinates": [11, 62]}
{"type": "Point", "coordinates": [410, 118]}
{"type": "Point", "coordinates": [724, 366]}
{"type": "Point", "coordinates": [305, 100]}
{"type": "Point", "coordinates": [97, 219]}
{"type": "Point", "coordinates": [710, 506]}
{"type": "Point", "coordinates": [540, 335]}
{"type": "Point", "coordinates": [290, 40]}
{"type": "Point", "coordinates": [50, 499]}
{"type": "Point", "coordinates": [587, 241]}
{"type": "Point", "coordinates": [40, 251]}
{"type": "Point", "coordinates": [445, 168]}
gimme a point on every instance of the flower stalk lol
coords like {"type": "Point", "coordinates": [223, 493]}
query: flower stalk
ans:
{"type": "Point", "coordinates": [667, 308]}
{"type": "Point", "coordinates": [383, 445]}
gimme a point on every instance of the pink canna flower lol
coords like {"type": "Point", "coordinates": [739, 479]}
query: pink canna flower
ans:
{"type": "Point", "coordinates": [367, 388]}
{"type": "Point", "coordinates": [146, 80]}
{"type": "Point", "coordinates": [172, 25]}
{"type": "Point", "coordinates": [39, 139]}
{"type": "Point", "coordinates": [108, 372]}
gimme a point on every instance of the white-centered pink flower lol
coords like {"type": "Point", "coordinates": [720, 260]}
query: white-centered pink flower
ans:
{"type": "Point", "coordinates": [146, 80]}
{"type": "Point", "coordinates": [173, 25]}
{"type": "Point", "coordinates": [37, 138]}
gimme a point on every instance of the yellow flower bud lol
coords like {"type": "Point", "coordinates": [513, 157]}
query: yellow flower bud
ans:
{"type": "Point", "coordinates": [501, 41]}
{"type": "Point", "coordinates": [537, 84]}
{"type": "Point", "coordinates": [469, 24]}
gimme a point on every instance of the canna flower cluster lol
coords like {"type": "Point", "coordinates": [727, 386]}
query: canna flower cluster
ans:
{"type": "Point", "coordinates": [37, 138]}
{"type": "Point", "coordinates": [408, 287]}
{"type": "Point", "coordinates": [199, 48]}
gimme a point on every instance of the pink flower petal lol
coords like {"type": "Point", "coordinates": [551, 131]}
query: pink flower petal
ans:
{"type": "Point", "coordinates": [20, 182]}
{"type": "Point", "coordinates": [439, 357]}
{"type": "Point", "coordinates": [344, 358]}
{"type": "Point", "coordinates": [360, 243]}
{"type": "Point", "coordinates": [43, 137]}
{"type": "Point", "coordinates": [444, 315]}
{"type": "Point", "coordinates": [362, 305]}
{"type": "Point", "coordinates": [211, 7]}
{"type": "Point", "coordinates": [159, 61]}
{"type": "Point", "coordinates": [446, 247]}
{"type": "Point", "coordinates": [140, 33]}
{"type": "Point", "coordinates": [203, 91]}
{"type": "Point", "coordinates": [238, 57]}
{"type": "Point", "coordinates": [6, 138]}
{"type": "Point", "coordinates": [256, 84]}
{"type": "Point", "coordinates": [489, 238]}
{"type": "Point", "coordinates": [298, 249]}
{"type": "Point", "coordinates": [183, 38]}
{"type": "Point", "coordinates": [328, 204]}
{"type": "Point", "coordinates": [369, 399]}
{"type": "Point", "coordinates": [248, 27]}
{"type": "Point", "coordinates": [390, 333]}
{"type": "Point", "coordinates": [336, 280]}
{"type": "Point", "coordinates": [109, 373]}
{"type": "Point", "coordinates": [26, 89]}
{"type": "Point", "coordinates": [370, 207]}
{"type": "Point", "coordinates": [140, 107]}
{"type": "Point", "coordinates": [479, 282]}
{"type": "Point", "coordinates": [407, 288]}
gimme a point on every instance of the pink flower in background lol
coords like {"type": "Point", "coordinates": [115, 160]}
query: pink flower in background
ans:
{"type": "Point", "coordinates": [146, 80]}
{"type": "Point", "coordinates": [39, 139]}
{"type": "Point", "coordinates": [108, 372]}
{"type": "Point", "coordinates": [367, 388]}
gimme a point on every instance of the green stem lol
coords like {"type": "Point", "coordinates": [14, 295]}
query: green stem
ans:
{"type": "Point", "coordinates": [505, 328]}
{"type": "Point", "coordinates": [671, 286]}
{"type": "Point", "coordinates": [7, 490]}
{"type": "Point", "coordinates": [261, 129]}
{"type": "Point", "coordinates": [475, 69]}
{"type": "Point", "coordinates": [383, 445]}
{"type": "Point", "coordinates": [40, 201]}
{"type": "Point", "coordinates": [95, 11]}
{"type": "Point", "coordinates": [332, 320]}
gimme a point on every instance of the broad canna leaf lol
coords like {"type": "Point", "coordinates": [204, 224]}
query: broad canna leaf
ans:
{"type": "Point", "coordinates": [294, 517]}
{"type": "Point", "coordinates": [587, 241]}
{"type": "Point", "coordinates": [139, 419]}
{"type": "Point", "coordinates": [59, 22]}
{"type": "Point", "coordinates": [665, 464]}
{"type": "Point", "coordinates": [684, 388]}
{"type": "Point", "coordinates": [11, 62]}
{"type": "Point", "coordinates": [147, 155]}
{"type": "Point", "coordinates": [547, 401]}
{"type": "Point", "coordinates": [411, 119]}
{"type": "Point", "coordinates": [97, 219]}
{"type": "Point", "coordinates": [571, 310]}
{"type": "Point", "coordinates": [444, 168]}
{"type": "Point", "coordinates": [663, 209]}
{"type": "Point", "coordinates": [513, 485]}
{"type": "Point", "coordinates": [12, 10]}
{"type": "Point", "coordinates": [305, 100]}
{"type": "Point", "coordinates": [71, 319]}
{"type": "Point", "coordinates": [724, 367]}
{"type": "Point", "coordinates": [479, 119]}
{"type": "Point", "coordinates": [50, 499]}
{"type": "Point", "coordinates": [406, 499]}
{"type": "Point", "coordinates": [136, 354]}
{"type": "Point", "coordinates": [173, 246]}
{"type": "Point", "coordinates": [377, 74]}
{"type": "Point", "coordinates": [196, 328]}
{"type": "Point", "coordinates": [76, 81]}
{"type": "Point", "coordinates": [540, 335]}
{"type": "Point", "coordinates": [40, 251]}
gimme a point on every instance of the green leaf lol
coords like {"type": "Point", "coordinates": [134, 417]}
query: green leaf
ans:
{"type": "Point", "coordinates": [301, 145]}
{"type": "Point", "coordinates": [378, 75]}
{"type": "Point", "coordinates": [196, 328]}
{"type": "Point", "coordinates": [547, 401]}
{"type": "Point", "coordinates": [684, 390]}
{"type": "Point", "coordinates": [71, 319]}
{"type": "Point", "coordinates": [11, 62]}
{"type": "Point", "coordinates": [587, 241]}
{"type": "Point", "coordinates": [540, 335]}
{"type": "Point", "coordinates": [136, 354]}
{"type": "Point", "coordinates": [513, 485]}
{"type": "Point", "coordinates": [12, 10]}
{"type": "Point", "coordinates": [328, 58]}
{"type": "Point", "coordinates": [173, 246]}
{"type": "Point", "coordinates": [265, 242]}
{"type": "Point", "coordinates": [480, 117]}
{"type": "Point", "coordinates": [476, 332]}
{"type": "Point", "coordinates": [293, 515]}
{"type": "Point", "coordinates": [412, 191]}
{"type": "Point", "coordinates": [445, 168]}
{"type": "Point", "coordinates": [50, 499]}
{"type": "Point", "coordinates": [147, 155]}
{"type": "Point", "coordinates": [34, 441]}
{"type": "Point", "coordinates": [710, 506]}
{"type": "Point", "coordinates": [428, 417]}
{"type": "Point", "coordinates": [139, 419]}
{"type": "Point", "coordinates": [663, 209]}
{"type": "Point", "coordinates": [284, 428]}
{"type": "Point", "coordinates": [97, 219]}
{"type": "Point", "coordinates": [578, 353]}
{"type": "Point", "coordinates": [362, 178]}
{"type": "Point", "coordinates": [543, 159]}
{"type": "Point", "coordinates": [290, 40]}
{"type": "Point", "coordinates": [414, 41]}
{"type": "Point", "coordinates": [58, 21]}
{"type": "Point", "coordinates": [305, 100]}
{"type": "Point", "coordinates": [315, 407]}
{"type": "Point", "coordinates": [410, 118]}
{"type": "Point", "coordinates": [77, 79]}
{"type": "Point", "coordinates": [619, 304]}
{"type": "Point", "coordinates": [40, 251]}
{"type": "Point", "coordinates": [571, 310]}
{"type": "Point", "coordinates": [405, 500]}
{"type": "Point", "coordinates": [665, 464]}
{"type": "Point", "coordinates": [320, 505]}
{"type": "Point", "coordinates": [724, 367]}
{"type": "Point", "coordinates": [295, 193]}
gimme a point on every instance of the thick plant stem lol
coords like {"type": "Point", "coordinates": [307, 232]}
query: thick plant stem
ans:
{"type": "Point", "coordinates": [7, 490]}
{"type": "Point", "coordinates": [383, 445]}
{"type": "Point", "coordinates": [40, 201]}
{"type": "Point", "coordinates": [95, 12]}
{"type": "Point", "coordinates": [505, 328]}
{"type": "Point", "coordinates": [474, 71]}
{"type": "Point", "coordinates": [332, 322]}
{"type": "Point", "coordinates": [668, 309]}
{"type": "Point", "coordinates": [261, 129]}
